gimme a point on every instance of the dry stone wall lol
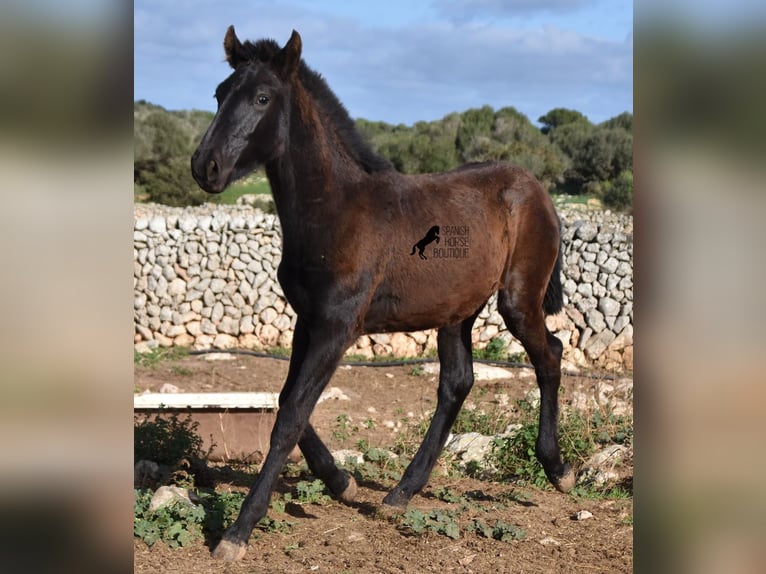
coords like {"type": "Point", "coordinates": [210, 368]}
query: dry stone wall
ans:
{"type": "Point", "coordinates": [205, 278]}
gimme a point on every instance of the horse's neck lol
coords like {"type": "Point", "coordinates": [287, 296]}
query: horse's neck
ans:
{"type": "Point", "coordinates": [311, 179]}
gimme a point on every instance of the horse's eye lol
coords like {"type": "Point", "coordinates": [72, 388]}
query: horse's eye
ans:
{"type": "Point", "coordinates": [262, 99]}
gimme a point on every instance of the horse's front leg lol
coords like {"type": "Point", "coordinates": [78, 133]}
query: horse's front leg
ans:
{"type": "Point", "coordinates": [325, 347]}
{"type": "Point", "coordinates": [318, 457]}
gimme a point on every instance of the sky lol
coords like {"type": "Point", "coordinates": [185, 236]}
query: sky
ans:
{"type": "Point", "coordinates": [402, 61]}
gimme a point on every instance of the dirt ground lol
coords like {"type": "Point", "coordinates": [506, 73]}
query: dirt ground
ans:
{"type": "Point", "coordinates": [338, 538]}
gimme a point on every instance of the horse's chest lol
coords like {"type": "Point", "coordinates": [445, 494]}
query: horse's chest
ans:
{"type": "Point", "coordinates": [311, 289]}
{"type": "Point", "coordinates": [296, 286]}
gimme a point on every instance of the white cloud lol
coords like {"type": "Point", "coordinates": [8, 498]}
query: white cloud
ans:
{"type": "Point", "coordinates": [532, 70]}
{"type": "Point", "coordinates": [461, 10]}
{"type": "Point", "coordinates": [395, 74]}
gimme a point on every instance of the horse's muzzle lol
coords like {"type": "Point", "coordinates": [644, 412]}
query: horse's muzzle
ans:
{"type": "Point", "coordinates": [207, 172]}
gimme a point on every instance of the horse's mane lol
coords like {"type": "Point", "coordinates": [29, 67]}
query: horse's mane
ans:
{"type": "Point", "coordinates": [359, 149]}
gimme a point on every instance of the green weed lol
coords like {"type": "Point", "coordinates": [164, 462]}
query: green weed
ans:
{"type": "Point", "coordinates": [501, 531]}
{"type": "Point", "coordinates": [439, 521]}
{"type": "Point", "coordinates": [271, 525]}
{"type": "Point", "coordinates": [344, 428]}
{"type": "Point", "coordinates": [408, 440]}
{"type": "Point", "coordinates": [221, 509]}
{"type": "Point", "coordinates": [176, 524]}
{"type": "Point", "coordinates": [448, 495]}
{"type": "Point", "coordinates": [497, 350]}
{"type": "Point", "coordinates": [278, 351]}
{"type": "Point", "coordinates": [608, 492]}
{"type": "Point", "coordinates": [487, 422]}
{"type": "Point", "coordinates": [494, 351]}
{"type": "Point", "coordinates": [579, 437]}
{"type": "Point", "coordinates": [445, 522]}
{"type": "Point", "coordinates": [378, 464]}
{"type": "Point", "coordinates": [311, 492]}
{"type": "Point", "coordinates": [157, 355]}
{"type": "Point", "coordinates": [181, 371]}
{"type": "Point", "coordinates": [521, 358]}
{"type": "Point", "coordinates": [369, 424]}
{"type": "Point", "coordinates": [377, 455]}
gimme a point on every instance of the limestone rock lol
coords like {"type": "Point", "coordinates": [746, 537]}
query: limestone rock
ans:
{"type": "Point", "coordinates": [165, 495]}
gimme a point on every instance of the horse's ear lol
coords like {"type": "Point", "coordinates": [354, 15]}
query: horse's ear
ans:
{"type": "Point", "coordinates": [290, 56]}
{"type": "Point", "coordinates": [233, 47]}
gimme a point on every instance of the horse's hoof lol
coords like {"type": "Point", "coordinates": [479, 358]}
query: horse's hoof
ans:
{"type": "Point", "coordinates": [349, 494]}
{"type": "Point", "coordinates": [394, 503]}
{"type": "Point", "coordinates": [229, 551]}
{"type": "Point", "coordinates": [389, 512]}
{"type": "Point", "coordinates": [566, 481]}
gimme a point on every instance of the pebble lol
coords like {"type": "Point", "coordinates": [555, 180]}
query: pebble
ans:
{"type": "Point", "coordinates": [333, 393]}
{"type": "Point", "coordinates": [550, 541]}
{"type": "Point", "coordinates": [341, 456]}
{"type": "Point", "coordinates": [219, 357]}
{"type": "Point", "coordinates": [164, 495]}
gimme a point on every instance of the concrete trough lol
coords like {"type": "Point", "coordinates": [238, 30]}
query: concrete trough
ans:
{"type": "Point", "coordinates": [237, 425]}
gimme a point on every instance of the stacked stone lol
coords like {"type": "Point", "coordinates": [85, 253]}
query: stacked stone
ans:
{"type": "Point", "coordinates": [205, 278]}
{"type": "Point", "coordinates": [598, 288]}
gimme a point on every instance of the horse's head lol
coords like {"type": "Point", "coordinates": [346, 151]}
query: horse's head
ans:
{"type": "Point", "coordinates": [251, 124]}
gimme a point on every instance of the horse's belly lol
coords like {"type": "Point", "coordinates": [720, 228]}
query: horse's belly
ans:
{"type": "Point", "coordinates": [429, 305]}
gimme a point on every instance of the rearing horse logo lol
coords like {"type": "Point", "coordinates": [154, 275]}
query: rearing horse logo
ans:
{"type": "Point", "coordinates": [420, 246]}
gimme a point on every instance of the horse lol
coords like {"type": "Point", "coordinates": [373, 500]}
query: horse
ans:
{"type": "Point", "coordinates": [431, 236]}
{"type": "Point", "coordinates": [348, 221]}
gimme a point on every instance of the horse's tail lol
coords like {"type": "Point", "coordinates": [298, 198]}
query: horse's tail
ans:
{"type": "Point", "coordinates": [554, 295]}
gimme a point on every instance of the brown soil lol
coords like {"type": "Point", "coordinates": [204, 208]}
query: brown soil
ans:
{"type": "Point", "coordinates": [339, 538]}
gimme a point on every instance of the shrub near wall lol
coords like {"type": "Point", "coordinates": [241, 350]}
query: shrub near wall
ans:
{"type": "Point", "coordinates": [205, 277]}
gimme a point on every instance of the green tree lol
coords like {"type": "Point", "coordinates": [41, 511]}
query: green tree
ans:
{"type": "Point", "coordinates": [526, 146]}
{"type": "Point", "coordinates": [163, 143]}
{"type": "Point", "coordinates": [432, 145]}
{"type": "Point", "coordinates": [170, 183]}
{"type": "Point", "coordinates": [474, 123]}
{"type": "Point", "coordinates": [597, 153]}
{"type": "Point", "coordinates": [620, 143]}
{"type": "Point", "coordinates": [623, 121]}
{"type": "Point", "coordinates": [558, 117]}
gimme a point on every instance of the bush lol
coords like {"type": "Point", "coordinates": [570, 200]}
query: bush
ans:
{"type": "Point", "coordinates": [580, 436]}
{"type": "Point", "coordinates": [170, 183]}
{"type": "Point", "coordinates": [167, 440]}
{"type": "Point", "coordinates": [618, 194]}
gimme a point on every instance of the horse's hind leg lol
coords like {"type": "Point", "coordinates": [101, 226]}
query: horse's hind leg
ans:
{"type": "Point", "coordinates": [341, 484]}
{"type": "Point", "coordinates": [524, 318]}
{"type": "Point", "coordinates": [455, 381]}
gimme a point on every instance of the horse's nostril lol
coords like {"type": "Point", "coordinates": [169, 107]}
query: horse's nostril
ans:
{"type": "Point", "coordinates": [212, 170]}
